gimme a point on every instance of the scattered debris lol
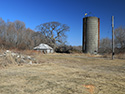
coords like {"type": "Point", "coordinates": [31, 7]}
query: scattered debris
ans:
{"type": "Point", "coordinates": [9, 57]}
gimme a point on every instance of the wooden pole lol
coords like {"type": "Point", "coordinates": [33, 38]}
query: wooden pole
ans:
{"type": "Point", "coordinates": [112, 37]}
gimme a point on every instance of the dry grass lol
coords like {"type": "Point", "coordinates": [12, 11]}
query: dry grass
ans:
{"type": "Point", "coordinates": [65, 74]}
{"type": "Point", "coordinates": [120, 56]}
{"type": "Point", "coordinates": [7, 61]}
{"type": "Point", "coordinates": [117, 56]}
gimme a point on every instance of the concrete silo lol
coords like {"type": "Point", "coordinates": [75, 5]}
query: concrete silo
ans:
{"type": "Point", "coordinates": [91, 34]}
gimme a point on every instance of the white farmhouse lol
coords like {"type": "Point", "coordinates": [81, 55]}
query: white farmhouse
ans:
{"type": "Point", "coordinates": [44, 48]}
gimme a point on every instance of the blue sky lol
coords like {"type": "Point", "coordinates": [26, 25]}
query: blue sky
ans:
{"type": "Point", "coordinates": [70, 12]}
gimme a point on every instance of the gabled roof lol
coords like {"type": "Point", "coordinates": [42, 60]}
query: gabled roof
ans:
{"type": "Point", "coordinates": [43, 47]}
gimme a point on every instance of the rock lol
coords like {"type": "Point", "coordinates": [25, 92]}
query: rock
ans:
{"type": "Point", "coordinates": [7, 51]}
{"type": "Point", "coordinates": [13, 54]}
{"type": "Point", "coordinates": [30, 62]}
{"type": "Point", "coordinates": [18, 56]}
{"type": "Point", "coordinates": [28, 57]}
{"type": "Point", "coordinates": [1, 55]}
{"type": "Point", "coordinates": [22, 57]}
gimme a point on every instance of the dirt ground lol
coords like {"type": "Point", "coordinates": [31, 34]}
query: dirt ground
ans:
{"type": "Point", "coordinates": [65, 74]}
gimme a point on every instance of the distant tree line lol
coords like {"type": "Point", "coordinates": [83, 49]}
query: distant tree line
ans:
{"type": "Point", "coordinates": [16, 35]}
{"type": "Point", "coordinates": [106, 43]}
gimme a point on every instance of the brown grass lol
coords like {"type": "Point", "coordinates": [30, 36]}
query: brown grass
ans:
{"type": "Point", "coordinates": [120, 56]}
{"type": "Point", "coordinates": [7, 61]}
{"type": "Point", "coordinates": [117, 56]}
{"type": "Point", "coordinates": [64, 74]}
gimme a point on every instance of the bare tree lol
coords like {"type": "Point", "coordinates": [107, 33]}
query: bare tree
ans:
{"type": "Point", "coordinates": [105, 45]}
{"type": "Point", "coordinates": [11, 34]}
{"type": "Point", "coordinates": [3, 32]}
{"type": "Point", "coordinates": [16, 35]}
{"type": "Point", "coordinates": [19, 25]}
{"type": "Point", "coordinates": [54, 31]}
{"type": "Point", "coordinates": [120, 37]}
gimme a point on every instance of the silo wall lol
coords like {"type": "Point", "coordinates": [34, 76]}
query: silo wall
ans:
{"type": "Point", "coordinates": [91, 31]}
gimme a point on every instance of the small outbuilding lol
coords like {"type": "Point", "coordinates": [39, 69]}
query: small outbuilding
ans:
{"type": "Point", "coordinates": [44, 48]}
